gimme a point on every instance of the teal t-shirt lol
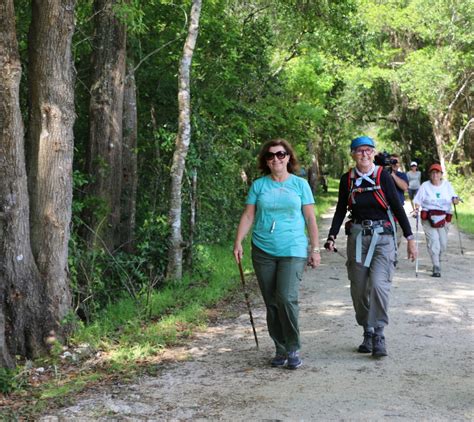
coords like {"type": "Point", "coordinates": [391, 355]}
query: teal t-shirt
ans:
{"type": "Point", "coordinates": [279, 226]}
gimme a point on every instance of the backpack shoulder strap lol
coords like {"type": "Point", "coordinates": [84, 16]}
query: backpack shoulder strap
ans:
{"type": "Point", "coordinates": [350, 185]}
{"type": "Point", "coordinates": [378, 193]}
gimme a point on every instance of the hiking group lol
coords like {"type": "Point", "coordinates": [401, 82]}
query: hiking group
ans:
{"type": "Point", "coordinates": [280, 211]}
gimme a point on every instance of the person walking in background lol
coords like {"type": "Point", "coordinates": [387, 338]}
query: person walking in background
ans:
{"type": "Point", "coordinates": [279, 206]}
{"type": "Point", "coordinates": [414, 181]}
{"type": "Point", "coordinates": [399, 177]}
{"type": "Point", "coordinates": [369, 193]}
{"type": "Point", "coordinates": [434, 199]}
{"type": "Point", "coordinates": [401, 183]}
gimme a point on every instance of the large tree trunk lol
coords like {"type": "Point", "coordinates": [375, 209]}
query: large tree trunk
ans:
{"type": "Point", "coordinates": [104, 155]}
{"type": "Point", "coordinates": [21, 294]}
{"type": "Point", "coordinates": [129, 162]}
{"type": "Point", "coordinates": [51, 145]}
{"type": "Point", "coordinates": [175, 263]}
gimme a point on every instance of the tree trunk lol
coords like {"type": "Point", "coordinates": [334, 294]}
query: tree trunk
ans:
{"type": "Point", "coordinates": [314, 173]}
{"type": "Point", "coordinates": [193, 201]}
{"type": "Point", "coordinates": [104, 155]}
{"type": "Point", "coordinates": [175, 263]}
{"type": "Point", "coordinates": [21, 294]}
{"type": "Point", "coordinates": [441, 132]}
{"type": "Point", "coordinates": [51, 145]}
{"type": "Point", "coordinates": [129, 163]}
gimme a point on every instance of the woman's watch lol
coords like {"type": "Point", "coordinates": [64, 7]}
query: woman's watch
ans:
{"type": "Point", "coordinates": [316, 250]}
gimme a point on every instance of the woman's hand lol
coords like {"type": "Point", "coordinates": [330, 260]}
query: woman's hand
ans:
{"type": "Point", "coordinates": [314, 259]}
{"type": "Point", "coordinates": [246, 221]}
{"type": "Point", "coordinates": [238, 252]}
{"type": "Point", "coordinates": [411, 249]}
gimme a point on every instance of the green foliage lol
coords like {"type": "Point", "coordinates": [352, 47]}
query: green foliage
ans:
{"type": "Point", "coordinates": [12, 380]}
{"type": "Point", "coordinates": [465, 220]}
{"type": "Point", "coordinates": [464, 188]}
{"type": "Point", "coordinates": [429, 77]}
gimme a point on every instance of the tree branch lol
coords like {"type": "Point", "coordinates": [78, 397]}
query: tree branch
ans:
{"type": "Point", "coordinates": [166, 44]}
{"type": "Point", "coordinates": [458, 94]}
{"type": "Point", "coordinates": [460, 138]}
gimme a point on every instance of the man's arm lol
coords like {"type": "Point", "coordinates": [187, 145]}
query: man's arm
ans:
{"type": "Point", "coordinates": [400, 181]}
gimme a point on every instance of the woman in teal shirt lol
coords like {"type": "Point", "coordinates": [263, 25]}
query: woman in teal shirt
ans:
{"type": "Point", "coordinates": [280, 205]}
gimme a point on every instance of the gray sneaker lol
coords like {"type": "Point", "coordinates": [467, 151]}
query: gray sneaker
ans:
{"type": "Point", "coordinates": [294, 360]}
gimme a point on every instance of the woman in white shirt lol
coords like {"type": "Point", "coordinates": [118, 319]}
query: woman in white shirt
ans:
{"type": "Point", "coordinates": [434, 199]}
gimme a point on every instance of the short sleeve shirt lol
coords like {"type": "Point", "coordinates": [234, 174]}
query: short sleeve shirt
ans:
{"type": "Point", "coordinates": [414, 179]}
{"type": "Point", "coordinates": [432, 197]}
{"type": "Point", "coordinates": [279, 226]}
{"type": "Point", "coordinates": [401, 193]}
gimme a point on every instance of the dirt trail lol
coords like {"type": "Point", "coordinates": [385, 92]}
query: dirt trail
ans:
{"type": "Point", "coordinates": [428, 374]}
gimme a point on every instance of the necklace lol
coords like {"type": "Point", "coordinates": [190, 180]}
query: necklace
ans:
{"type": "Point", "coordinates": [277, 195]}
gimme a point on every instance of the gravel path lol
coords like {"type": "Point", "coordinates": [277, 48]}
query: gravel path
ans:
{"type": "Point", "coordinates": [427, 376]}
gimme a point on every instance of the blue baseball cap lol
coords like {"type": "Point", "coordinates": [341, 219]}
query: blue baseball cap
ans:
{"type": "Point", "coordinates": [361, 141]}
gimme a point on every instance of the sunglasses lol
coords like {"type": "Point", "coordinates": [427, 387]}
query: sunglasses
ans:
{"type": "Point", "coordinates": [269, 156]}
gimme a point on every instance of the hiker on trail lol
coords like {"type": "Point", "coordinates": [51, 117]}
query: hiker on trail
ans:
{"type": "Point", "coordinates": [281, 205]}
{"type": "Point", "coordinates": [369, 193]}
{"type": "Point", "coordinates": [414, 181]}
{"type": "Point", "coordinates": [434, 199]}
{"type": "Point", "coordinates": [399, 177]}
{"type": "Point", "coordinates": [401, 183]}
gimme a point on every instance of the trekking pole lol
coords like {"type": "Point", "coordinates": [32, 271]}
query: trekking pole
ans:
{"type": "Point", "coordinates": [248, 302]}
{"type": "Point", "coordinates": [459, 232]}
{"type": "Point", "coordinates": [416, 244]}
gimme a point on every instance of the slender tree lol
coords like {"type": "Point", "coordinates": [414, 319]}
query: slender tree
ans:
{"type": "Point", "coordinates": [183, 139]}
{"type": "Point", "coordinates": [104, 154]}
{"type": "Point", "coordinates": [129, 162]}
{"type": "Point", "coordinates": [51, 145]}
{"type": "Point", "coordinates": [22, 329]}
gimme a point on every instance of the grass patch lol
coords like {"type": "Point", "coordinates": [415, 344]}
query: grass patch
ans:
{"type": "Point", "coordinates": [465, 211]}
{"type": "Point", "coordinates": [58, 389]}
{"type": "Point", "coordinates": [325, 200]}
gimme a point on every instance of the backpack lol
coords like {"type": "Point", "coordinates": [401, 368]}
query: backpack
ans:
{"type": "Point", "coordinates": [376, 189]}
{"type": "Point", "coordinates": [378, 194]}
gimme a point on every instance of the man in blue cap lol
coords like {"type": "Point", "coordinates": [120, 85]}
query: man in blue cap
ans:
{"type": "Point", "coordinates": [369, 193]}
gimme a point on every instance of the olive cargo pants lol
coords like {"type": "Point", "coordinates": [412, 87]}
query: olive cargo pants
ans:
{"type": "Point", "coordinates": [279, 280]}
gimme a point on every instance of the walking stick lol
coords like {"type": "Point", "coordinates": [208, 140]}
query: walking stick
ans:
{"type": "Point", "coordinates": [248, 302]}
{"type": "Point", "coordinates": [416, 244]}
{"type": "Point", "coordinates": [459, 232]}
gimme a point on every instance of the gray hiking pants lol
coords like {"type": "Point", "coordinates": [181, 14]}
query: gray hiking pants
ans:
{"type": "Point", "coordinates": [436, 240]}
{"type": "Point", "coordinates": [370, 286]}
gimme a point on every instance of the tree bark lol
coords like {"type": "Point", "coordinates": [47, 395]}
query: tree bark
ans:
{"type": "Point", "coordinates": [314, 173]}
{"type": "Point", "coordinates": [104, 155]}
{"type": "Point", "coordinates": [183, 139]}
{"type": "Point", "coordinates": [193, 203]}
{"type": "Point", "coordinates": [442, 133]}
{"type": "Point", "coordinates": [21, 292]}
{"type": "Point", "coordinates": [129, 163]}
{"type": "Point", "coordinates": [51, 145]}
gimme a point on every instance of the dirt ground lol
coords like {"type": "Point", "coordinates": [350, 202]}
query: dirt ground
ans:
{"type": "Point", "coordinates": [428, 375]}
